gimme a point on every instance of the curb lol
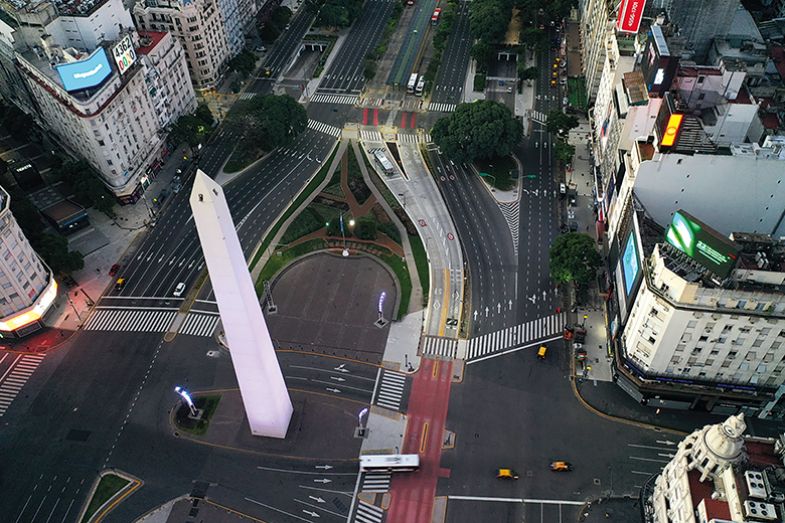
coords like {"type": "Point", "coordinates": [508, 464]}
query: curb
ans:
{"type": "Point", "coordinates": [101, 512]}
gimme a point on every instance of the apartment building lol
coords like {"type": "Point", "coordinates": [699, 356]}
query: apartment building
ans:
{"type": "Point", "coordinates": [211, 32]}
{"type": "Point", "coordinates": [699, 22]}
{"type": "Point", "coordinates": [104, 93]}
{"type": "Point", "coordinates": [27, 288]}
{"type": "Point", "coordinates": [720, 474]}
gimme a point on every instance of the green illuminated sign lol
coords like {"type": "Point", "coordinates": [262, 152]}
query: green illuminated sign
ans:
{"type": "Point", "coordinates": [702, 243]}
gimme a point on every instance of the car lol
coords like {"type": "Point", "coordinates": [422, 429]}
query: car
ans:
{"type": "Point", "coordinates": [556, 65]}
{"type": "Point", "coordinates": [541, 352]}
{"type": "Point", "coordinates": [580, 354]}
{"type": "Point", "coordinates": [506, 474]}
{"type": "Point", "coordinates": [573, 226]}
{"type": "Point", "coordinates": [178, 291]}
{"type": "Point", "coordinates": [573, 201]}
{"type": "Point", "coordinates": [562, 189]}
{"type": "Point", "coordinates": [560, 466]}
{"type": "Point", "coordinates": [555, 74]}
{"type": "Point", "coordinates": [288, 26]}
{"type": "Point", "coordinates": [509, 89]}
{"type": "Point", "coordinates": [260, 49]}
{"type": "Point", "coordinates": [554, 83]}
{"type": "Point", "coordinates": [119, 284]}
{"type": "Point", "coordinates": [557, 59]}
{"type": "Point", "coordinates": [113, 270]}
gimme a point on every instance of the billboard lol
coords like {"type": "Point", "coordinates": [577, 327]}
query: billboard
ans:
{"type": "Point", "coordinates": [630, 263]}
{"type": "Point", "coordinates": [671, 130]}
{"type": "Point", "coordinates": [86, 73]}
{"type": "Point", "coordinates": [630, 14]}
{"type": "Point", "coordinates": [702, 243]}
{"type": "Point", "coordinates": [124, 54]}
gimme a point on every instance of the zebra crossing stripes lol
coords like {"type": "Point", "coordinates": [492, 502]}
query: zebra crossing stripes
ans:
{"type": "Point", "coordinates": [246, 96]}
{"type": "Point", "coordinates": [427, 138]}
{"type": "Point", "coordinates": [367, 513]}
{"type": "Point", "coordinates": [378, 482]}
{"type": "Point", "coordinates": [346, 99]}
{"type": "Point", "coordinates": [511, 213]}
{"type": "Point", "coordinates": [515, 336]}
{"type": "Point", "coordinates": [15, 378]}
{"type": "Point", "coordinates": [407, 138]}
{"type": "Point", "coordinates": [198, 324]}
{"type": "Point", "coordinates": [130, 319]}
{"type": "Point", "coordinates": [370, 136]}
{"type": "Point", "coordinates": [442, 107]}
{"type": "Point", "coordinates": [324, 128]}
{"type": "Point", "coordinates": [538, 116]}
{"type": "Point", "coordinates": [390, 391]}
{"type": "Point", "coordinates": [438, 346]}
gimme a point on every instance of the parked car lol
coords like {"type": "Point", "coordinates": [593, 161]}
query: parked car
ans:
{"type": "Point", "coordinates": [114, 269]}
{"type": "Point", "coordinates": [562, 189]}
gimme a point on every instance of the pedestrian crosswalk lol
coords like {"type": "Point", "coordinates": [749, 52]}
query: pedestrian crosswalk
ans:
{"type": "Point", "coordinates": [427, 138]}
{"type": "Point", "coordinates": [324, 128]}
{"type": "Point", "coordinates": [347, 99]}
{"type": "Point", "coordinates": [375, 482]}
{"type": "Point", "coordinates": [367, 513]}
{"type": "Point", "coordinates": [441, 107]}
{"type": "Point", "coordinates": [22, 367]}
{"type": "Point", "coordinates": [199, 324]}
{"type": "Point", "coordinates": [511, 212]}
{"type": "Point", "coordinates": [390, 390]}
{"type": "Point", "coordinates": [149, 320]}
{"type": "Point", "coordinates": [515, 336]}
{"type": "Point", "coordinates": [370, 136]}
{"type": "Point", "coordinates": [438, 346]}
{"type": "Point", "coordinates": [410, 138]}
{"type": "Point", "coordinates": [538, 116]}
{"type": "Point", "coordinates": [246, 96]}
{"type": "Point", "coordinates": [130, 319]}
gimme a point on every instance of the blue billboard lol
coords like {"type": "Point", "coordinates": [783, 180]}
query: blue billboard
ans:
{"type": "Point", "coordinates": [85, 73]}
{"type": "Point", "coordinates": [630, 263]}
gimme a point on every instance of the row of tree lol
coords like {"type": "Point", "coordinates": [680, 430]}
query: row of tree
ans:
{"type": "Point", "coordinates": [275, 25]}
{"type": "Point", "coordinates": [270, 121]}
{"type": "Point", "coordinates": [338, 13]}
{"type": "Point", "coordinates": [192, 128]}
{"type": "Point", "coordinates": [559, 124]}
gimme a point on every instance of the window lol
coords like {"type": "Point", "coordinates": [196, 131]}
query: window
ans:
{"type": "Point", "coordinates": [732, 354]}
{"type": "Point", "coordinates": [691, 324]}
{"type": "Point", "coordinates": [714, 352]}
{"type": "Point", "coordinates": [703, 338]}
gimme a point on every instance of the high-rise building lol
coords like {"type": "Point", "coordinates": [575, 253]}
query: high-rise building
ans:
{"type": "Point", "coordinates": [719, 474]}
{"type": "Point", "coordinates": [27, 288]}
{"type": "Point", "coordinates": [596, 30]}
{"type": "Point", "coordinates": [699, 22]}
{"type": "Point", "coordinates": [107, 94]}
{"type": "Point", "coordinates": [210, 31]}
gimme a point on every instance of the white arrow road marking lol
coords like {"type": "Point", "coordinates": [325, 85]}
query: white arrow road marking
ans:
{"type": "Point", "coordinates": [486, 312]}
{"type": "Point", "coordinates": [337, 378]}
{"type": "Point", "coordinates": [311, 513]}
{"type": "Point", "coordinates": [340, 368]}
{"type": "Point", "coordinates": [333, 390]}
{"type": "Point", "coordinates": [510, 304]}
{"type": "Point", "coordinates": [318, 500]}
{"type": "Point", "coordinates": [498, 308]}
{"type": "Point", "coordinates": [325, 467]}
{"type": "Point", "coordinates": [323, 480]}
{"type": "Point", "coordinates": [475, 314]}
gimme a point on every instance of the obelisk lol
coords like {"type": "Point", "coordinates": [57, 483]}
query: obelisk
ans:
{"type": "Point", "coordinates": [262, 387]}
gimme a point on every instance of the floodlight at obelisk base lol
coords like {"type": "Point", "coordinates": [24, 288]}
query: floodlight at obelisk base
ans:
{"type": "Point", "coordinates": [266, 400]}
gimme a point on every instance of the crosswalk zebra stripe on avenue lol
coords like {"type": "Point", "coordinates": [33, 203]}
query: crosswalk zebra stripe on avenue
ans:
{"type": "Point", "coordinates": [128, 319]}
{"type": "Point", "coordinates": [367, 513]}
{"type": "Point", "coordinates": [390, 391]}
{"type": "Point", "coordinates": [407, 138]}
{"type": "Point", "coordinates": [246, 96]}
{"type": "Point", "coordinates": [539, 117]}
{"type": "Point", "coordinates": [516, 336]}
{"type": "Point", "coordinates": [197, 324]}
{"type": "Point", "coordinates": [375, 482]}
{"type": "Point", "coordinates": [442, 107]}
{"type": "Point", "coordinates": [347, 99]}
{"type": "Point", "coordinates": [324, 128]}
{"type": "Point", "coordinates": [21, 370]}
{"type": "Point", "coordinates": [438, 346]}
{"type": "Point", "coordinates": [370, 136]}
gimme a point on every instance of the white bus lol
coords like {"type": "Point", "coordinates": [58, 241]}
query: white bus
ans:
{"type": "Point", "coordinates": [390, 462]}
{"type": "Point", "coordinates": [386, 164]}
{"type": "Point", "coordinates": [412, 83]}
{"type": "Point", "coordinates": [420, 86]}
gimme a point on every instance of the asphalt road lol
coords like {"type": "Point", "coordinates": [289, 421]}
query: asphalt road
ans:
{"type": "Point", "coordinates": [406, 59]}
{"type": "Point", "coordinates": [345, 74]}
{"type": "Point", "coordinates": [540, 205]}
{"type": "Point", "coordinates": [487, 245]}
{"type": "Point", "coordinates": [448, 87]}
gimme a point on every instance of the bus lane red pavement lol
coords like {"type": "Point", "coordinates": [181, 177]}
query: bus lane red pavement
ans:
{"type": "Point", "coordinates": [412, 494]}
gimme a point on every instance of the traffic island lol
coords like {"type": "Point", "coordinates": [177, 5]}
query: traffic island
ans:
{"type": "Point", "coordinates": [196, 424]}
{"type": "Point", "coordinates": [111, 487]}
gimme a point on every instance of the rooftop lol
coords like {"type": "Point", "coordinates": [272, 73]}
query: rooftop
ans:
{"type": "Point", "coordinates": [148, 40]}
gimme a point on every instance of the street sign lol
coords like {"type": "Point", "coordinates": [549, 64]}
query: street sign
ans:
{"type": "Point", "coordinates": [531, 176]}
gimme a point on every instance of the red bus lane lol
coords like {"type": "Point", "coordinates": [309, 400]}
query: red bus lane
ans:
{"type": "Point", "coordinates": [412, 493]}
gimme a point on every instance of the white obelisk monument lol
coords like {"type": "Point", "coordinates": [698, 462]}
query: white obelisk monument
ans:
{"type": "Point", "coordinates": [267, 403]}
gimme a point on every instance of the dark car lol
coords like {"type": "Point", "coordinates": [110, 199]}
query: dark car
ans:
{"type": "Point", "coordinates": [114, 269]}
{"type": "Point", "coordinates": [573, 226]}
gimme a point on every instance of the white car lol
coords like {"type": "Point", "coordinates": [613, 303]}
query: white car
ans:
{"type": "Point", "coordinates": [179, 290]}
{"type": "Point", "coordinates": [562, 188]}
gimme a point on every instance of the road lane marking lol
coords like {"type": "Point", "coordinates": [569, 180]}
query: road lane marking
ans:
{"type": "Point", "coordinates": [424, 438]}
{"type": "Point", "coordinates": [518, 500]}
{"type": "Point", "coordinates": [445, 301]}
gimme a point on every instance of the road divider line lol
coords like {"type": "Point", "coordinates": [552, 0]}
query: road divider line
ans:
{"type": "Point", "coordinates": [515, 349]}
{"type": "Point", "coordinates": [517, 500]}
{"type": "Point", "coordinates": [445, 301]}
{"type": "Point", "coordinates": [424, 438]}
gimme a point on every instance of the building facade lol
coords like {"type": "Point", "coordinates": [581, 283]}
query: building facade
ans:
{"type": "Point", "coordinates": [27, 288]}
{"type": "Point", "coordinates": [690, 19]}
{"type": "Point", "coordinates": [86, 83]}
{"type": "Point", "coordinates": [211, 32]}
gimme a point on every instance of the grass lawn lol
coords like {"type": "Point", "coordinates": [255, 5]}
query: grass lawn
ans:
{"type": "Point", "coordinates": [306, 222]}
{"type": "Point", "coordinates": [399, 268]}
{"type": "Point", "coordinates": [109, 485]}
{"type": "Point", "coordinates": [479, 82]}
{"type": "Point", "coordinates": [576, 92]}
{"type": "Point", "coordinates": [306, 193]}
{"type": "Point", "coordinates": [499, 169]}
{"type": "Point", "coordinates": [198, 427]}
{"type": "Point", "coordinates": [355, 180]}
{"type": "Point", "coordinates": [242, 157]}
{"type": "Point", "coordinates": [421, 262]}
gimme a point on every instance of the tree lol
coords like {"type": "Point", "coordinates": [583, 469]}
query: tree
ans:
{"type": "Point", "coordinates": [88, 189]}
{"type": "Point", "coordinates": [204, 114]}
{"type": "Point", "coordinates": [186, 130]}
{"type": "Point", "coordinates": [488, 19]}
{"type": "Point", "coordinates": [560, 123]}
{"type": "Point", "coordinates": [527, 73]}
{"type": "Point", "coordinates": [281, 16]}
{"type": "Point", "coordinates": [534, 38]}
{"type": "Point", "coordinates": [244, 63]}
{"type": "Point", "coordinates": [483, 129]}
{"type": "Point", "coordinates": [482, 52]}
{"type": "Point", "coordinates": [564, 152]}
{"type": "Point", "coordinates": [270, 121]}
{"type": "Point", "coordinates": [54, 250]}
{"type": "Point", "coordinates": [574, 258]}
{"type": "Point", "coordinates": [366, 229]}
{"type": "Point", "coordinates": [369, 69]}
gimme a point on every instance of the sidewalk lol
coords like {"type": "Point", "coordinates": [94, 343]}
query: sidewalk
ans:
{"type": "Point", "coordinates": [103, 245]}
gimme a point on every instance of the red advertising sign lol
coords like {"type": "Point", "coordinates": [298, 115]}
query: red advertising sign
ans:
{"type": "Point", "coordinates": [630, 13]}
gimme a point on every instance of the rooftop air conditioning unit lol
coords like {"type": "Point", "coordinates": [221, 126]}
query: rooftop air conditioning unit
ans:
{"type": "Point", "coordinates": [755, 484]}
{"type": "Point", "coordinates": [759, 511]}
